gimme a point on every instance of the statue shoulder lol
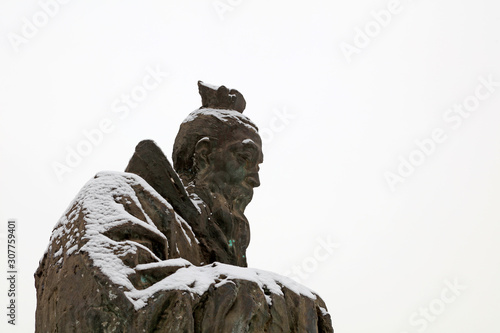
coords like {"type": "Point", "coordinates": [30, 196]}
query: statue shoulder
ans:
{"type": "Point", "coordinates": [151, 164]}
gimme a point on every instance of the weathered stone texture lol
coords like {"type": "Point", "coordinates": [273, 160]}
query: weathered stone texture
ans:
{"type": "Point", "coordinates": [155, 249]}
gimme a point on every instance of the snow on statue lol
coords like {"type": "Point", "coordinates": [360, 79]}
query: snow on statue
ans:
{"type": "Point", "coordinates": [154, 249]}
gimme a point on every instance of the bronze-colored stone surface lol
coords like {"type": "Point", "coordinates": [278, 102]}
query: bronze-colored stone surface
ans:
{"type": "Point", "coordinates": [161, 250]}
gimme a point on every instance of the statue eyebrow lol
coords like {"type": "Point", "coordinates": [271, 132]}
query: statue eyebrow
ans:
{"type": "Point", "coordinates": [249, 143]}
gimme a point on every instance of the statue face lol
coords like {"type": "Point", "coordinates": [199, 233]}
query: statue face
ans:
{"type": "Point", "coordinates": [232, 169]}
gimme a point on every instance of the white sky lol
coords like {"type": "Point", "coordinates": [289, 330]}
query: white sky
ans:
{"type": "Point", "coordinates": [323, 173]}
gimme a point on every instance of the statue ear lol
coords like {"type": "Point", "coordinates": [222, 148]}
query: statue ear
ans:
{"type": "Point", "coordinates": [202, 149]}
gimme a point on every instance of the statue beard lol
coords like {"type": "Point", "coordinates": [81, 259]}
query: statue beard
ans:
{"type": "Point", "coordinates": [232, 198]}
{"type": "Point", "coordinates": [227, 204]}
{"type": "Point", "coordinates": [226, 208]}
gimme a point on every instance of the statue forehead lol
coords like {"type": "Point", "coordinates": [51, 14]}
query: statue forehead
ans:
{"type": "Point", "coordinates": [244, 141]}
{"type": "Point", "coordinates": [240, 142]}
{"type": "Point", "coordinates": [236, 135]}
{"type": "Point", "coordinates": [226, 126]}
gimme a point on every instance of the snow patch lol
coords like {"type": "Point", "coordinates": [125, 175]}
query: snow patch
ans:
{"type": "Point", "coordinates": [58, 252]}
{"type": "Point", "coordinates": [72, 249]}
{"type": "Point", "coordinates": [222, 115]}
{"type": "Point", "coordinates": [197, 280]}
{"type": "Point", "coordinates": [323, 311]}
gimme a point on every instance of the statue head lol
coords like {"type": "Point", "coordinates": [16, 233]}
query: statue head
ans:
{"type": "Point", "coordinates": [218, 149]}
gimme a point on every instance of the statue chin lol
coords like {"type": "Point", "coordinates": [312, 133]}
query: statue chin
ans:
{"type": "Point", "coordinates": [236, 201]}
{"type": "Point", "coordinates": [234, 197]}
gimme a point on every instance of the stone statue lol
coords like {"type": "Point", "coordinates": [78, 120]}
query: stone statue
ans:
{"type": "Point", "coordinates": [217, 153]}
{"type": "Point", "coordinates": [155, 249]}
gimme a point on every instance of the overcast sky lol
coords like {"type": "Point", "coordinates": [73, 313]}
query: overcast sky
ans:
{"type": "Point", "coordinates": [381, 174]}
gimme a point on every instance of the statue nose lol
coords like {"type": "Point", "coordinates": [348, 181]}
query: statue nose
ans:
{"type": "Point", "coordinates": [253, 179]}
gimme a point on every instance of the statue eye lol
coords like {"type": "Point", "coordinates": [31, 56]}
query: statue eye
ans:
{"type": "Point", "coordinates": [244, 157]}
